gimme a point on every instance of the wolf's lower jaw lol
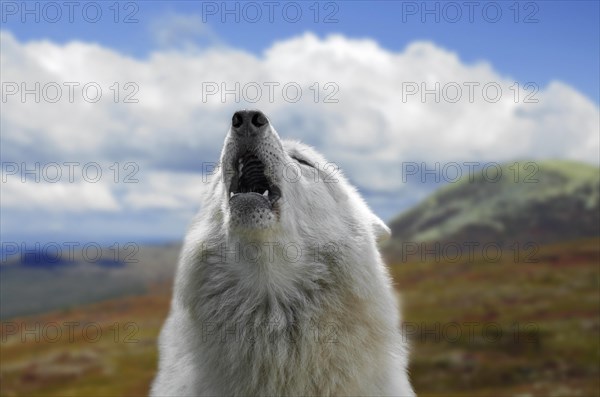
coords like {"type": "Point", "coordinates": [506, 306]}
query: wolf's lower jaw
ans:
{"type": "Point", "coordinates": [249, 177]}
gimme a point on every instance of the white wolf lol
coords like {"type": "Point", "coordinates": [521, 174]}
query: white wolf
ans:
{"type": "Point", "coordinates": [280, 289]}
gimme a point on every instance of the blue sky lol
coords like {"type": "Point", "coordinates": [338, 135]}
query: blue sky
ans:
{"type": "Point", "coordinates": [531, 41]}
{"type": "Point", "coordinates": [369, 50]}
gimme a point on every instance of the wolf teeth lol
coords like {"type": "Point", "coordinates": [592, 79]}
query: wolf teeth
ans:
{"type": "Point", "coordinates": [266, 193]}
{"type": "Point", "coordinates": [231, 194]}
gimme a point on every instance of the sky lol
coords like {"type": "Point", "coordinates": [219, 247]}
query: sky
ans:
{"type": "Point", "coordinates": [530, 41]}
{"type": "Point", "coordinates": [156, 123]}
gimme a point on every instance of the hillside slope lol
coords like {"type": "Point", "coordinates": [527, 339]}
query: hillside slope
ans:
{"type": "Point", "coordinates": [535, 333]}
{"type": "Point", "coordinates": [31, 284]}
{"type": "Point", "coordinates": [544, 202]}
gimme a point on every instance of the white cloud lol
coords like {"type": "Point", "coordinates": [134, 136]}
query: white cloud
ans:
{"type": "Point", "coordinates": [62, 196]}
{"type": "Point", "coordinates": [169, 191]}
{"type": "Point", "coordinates": [370, 131]}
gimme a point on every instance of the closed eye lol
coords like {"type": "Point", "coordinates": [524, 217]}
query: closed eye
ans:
{"type": "Point", "coordinates": [302, 161]}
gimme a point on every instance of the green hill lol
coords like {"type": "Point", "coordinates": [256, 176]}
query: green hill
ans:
{"type": "Point", "coordinates": [539, 202]}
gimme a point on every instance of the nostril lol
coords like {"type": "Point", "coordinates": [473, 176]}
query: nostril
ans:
{"type": "Point", "coordinates": [237, 120]}
{"type": "Point", "coordinates": [259, 119]}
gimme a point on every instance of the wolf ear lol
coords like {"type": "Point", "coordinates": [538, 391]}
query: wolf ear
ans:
{"type": "Point", "coordinates": [382, 232]}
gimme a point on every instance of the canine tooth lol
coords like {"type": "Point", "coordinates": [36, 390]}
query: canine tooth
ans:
{"type": "Point", "coordinates": [266, 193]}
{"type": "Point", "coordinates": [231, 194]}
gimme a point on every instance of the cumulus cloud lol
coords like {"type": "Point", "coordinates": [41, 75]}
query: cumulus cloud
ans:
{"type": "Point", "coordinates": [361, 105]}
{"type": "Point", "coordinates": [167, 190]}
{"type": "Point", "coordinates": [59, 197]}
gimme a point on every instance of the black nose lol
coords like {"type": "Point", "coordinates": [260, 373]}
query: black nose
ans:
{"type": "Point", "coordinates": [248, 122]}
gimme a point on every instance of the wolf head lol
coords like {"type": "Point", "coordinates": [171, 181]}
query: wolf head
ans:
{"type": "Point", "coordinates": [270, 186]}
{"type": "Point", "coordinates": [284, 247]}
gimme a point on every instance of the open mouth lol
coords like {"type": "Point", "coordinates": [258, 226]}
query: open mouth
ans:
{"type": "Point", "coordinates": [250, 178]}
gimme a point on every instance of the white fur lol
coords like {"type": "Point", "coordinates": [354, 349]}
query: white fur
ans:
{"type": "Point", "coordinates": [323, 322]}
